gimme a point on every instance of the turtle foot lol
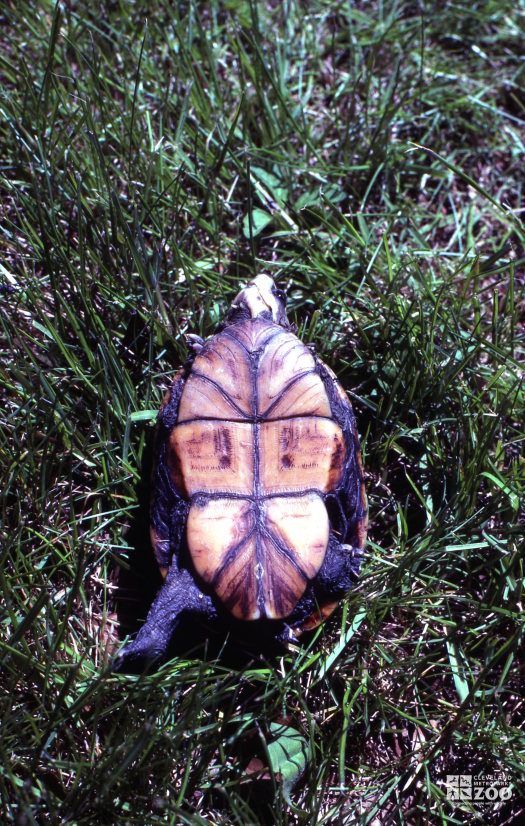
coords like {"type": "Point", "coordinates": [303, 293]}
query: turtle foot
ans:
{"type": "Point", "coordinates": [136, 656]}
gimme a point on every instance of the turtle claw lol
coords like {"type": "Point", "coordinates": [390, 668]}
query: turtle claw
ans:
{"type": "Point", "coordinates": [136, 656]}
{"type": "Point", "coordinates": [194, 342]}
{"type": "Point", "coordinates": [127, 662]}
{"type": "Point", "coordinates": [288, 637]}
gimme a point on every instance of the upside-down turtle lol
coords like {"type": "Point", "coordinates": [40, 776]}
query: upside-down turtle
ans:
{"type": "Point", "coordinates": [258, 509]}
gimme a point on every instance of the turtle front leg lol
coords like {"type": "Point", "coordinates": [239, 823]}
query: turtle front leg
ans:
{"type": "Point", "coordinates": [178, 594]}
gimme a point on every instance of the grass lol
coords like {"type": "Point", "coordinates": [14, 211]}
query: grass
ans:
{"type": "Point", "coordinates": [369, 156]}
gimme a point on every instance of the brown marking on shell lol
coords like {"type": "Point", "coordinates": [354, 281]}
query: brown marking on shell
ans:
{"type": "Point", "coordinates": [252, 589]}
{"type": "Point", "coordinates": [258, 567]}
{"type": "Point", "coordinates": [205, 400]}
{"type": "Point", "coordinates": [362, 525]}
{"type": "Point", "coordinates": [220, 383]}
{"type": "Point", "coordinates": [315, 619]}
{"type": "Point", "coordinates": [237, 587]}
{"type": "Point", "coordinates": [216, 528]}
{"type": "Point", "coordinates": [167, 394]}
{"type": "Point", "coordinates": [282, 582]}
{"type": "Point", "coordinates": [300, 524]}
{"type": "Point", "coordinates": [208, 457]}
{"type": "Point", "coordinates": [303, 396]}
{"type": "Point", "coordinates": [260, 580]}
{"type": "Point", "coordinates": [302, 453]}
{"type": "Point", "coordinates": [284, 359]}
{"type": "Point", "coordinates": [253, 334]}
{"type": "Point", "coordinates": [341, 391]}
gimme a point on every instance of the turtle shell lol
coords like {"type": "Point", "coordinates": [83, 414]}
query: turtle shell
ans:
{"type": "Point", "coordinates": [257, 445]}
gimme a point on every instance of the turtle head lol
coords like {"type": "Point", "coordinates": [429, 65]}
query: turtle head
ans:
{"type": "Point", "coordinates": [261, 298]}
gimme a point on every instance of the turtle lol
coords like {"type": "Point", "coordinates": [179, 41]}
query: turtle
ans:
{"type": "Point", "coordinates": [258, 511]}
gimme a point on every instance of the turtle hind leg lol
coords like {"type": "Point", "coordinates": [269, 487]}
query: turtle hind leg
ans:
{"type": "Point", "coordinates": [339, 571]}
{"type": "Point", "coordinates": [338, 574]}
{"type": "Point", "coordinates": [178, 595]}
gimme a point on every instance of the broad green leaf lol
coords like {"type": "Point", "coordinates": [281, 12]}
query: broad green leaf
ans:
{"type": "Point", "coordinates": [271, 182]}
{"type": "Point", "coordinates": [288, 755]}
{"type": "Point", "coordinates": [260, 220]}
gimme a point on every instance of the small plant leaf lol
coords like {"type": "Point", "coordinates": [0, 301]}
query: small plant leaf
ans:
{"type": "Point", "coordinates": [288, 754]}
{"type": "Point", "coordinates": [260, 220]}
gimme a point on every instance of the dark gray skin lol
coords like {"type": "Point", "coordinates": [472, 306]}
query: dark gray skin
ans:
{"type": "Point", "coordinates": [182, 593]}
